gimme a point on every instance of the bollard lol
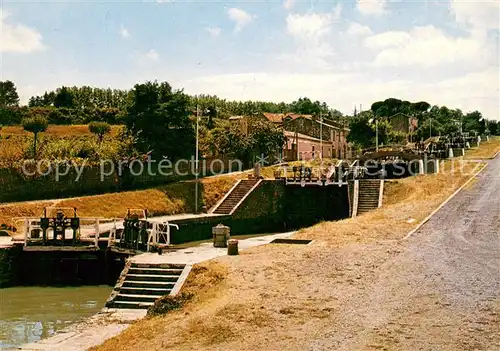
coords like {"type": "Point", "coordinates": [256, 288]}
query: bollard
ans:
{"type": "Point", "coordinates": [232, 247]}
{"type": "Point", "coordinates": [221, 235]}
{"type": "Point", "coordinates": [450, 153]}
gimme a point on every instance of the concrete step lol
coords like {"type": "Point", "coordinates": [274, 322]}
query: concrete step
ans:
{"type": "Point", "coordinates": [147, 284]}
{"type": "Point", "coordinates": [138, 298]}
{"type": "Point", "coordinates": [155, 271]}
{"type": "Point", "coordinates": [152, 277]}
{"type": "Point", "coordinates": [158, 265]}
{"type": "Point", "coordinates": [236, 195]}
{"type": "Point", "coordinates": [132, 304]}
{"type": "Point", "coordinates": [144, 291]}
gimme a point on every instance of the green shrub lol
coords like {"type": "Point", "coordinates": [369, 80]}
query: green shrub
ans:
{"type": "Point", "coordinates": [100, 129]}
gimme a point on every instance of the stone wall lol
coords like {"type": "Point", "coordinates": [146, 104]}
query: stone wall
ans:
{"type": "Point", "coordinates": [272, 207]}
{"type": "Point", "coordinates": [10, 260]}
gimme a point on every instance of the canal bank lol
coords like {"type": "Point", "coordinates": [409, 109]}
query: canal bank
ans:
{"type": "Point", "coordinates": [110, 322]}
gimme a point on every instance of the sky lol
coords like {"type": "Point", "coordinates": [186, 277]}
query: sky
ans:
{"type": "Point", "coordinates": [346, 53]}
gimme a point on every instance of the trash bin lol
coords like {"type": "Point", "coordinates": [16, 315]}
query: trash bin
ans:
{"type": "Point", "coordinates": [232, 247]}
{"type": "Point", "coordinates": [221, 235]}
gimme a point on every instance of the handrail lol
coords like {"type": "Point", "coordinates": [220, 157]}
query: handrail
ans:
{"type": "Point", "coordinates": [154, 233]}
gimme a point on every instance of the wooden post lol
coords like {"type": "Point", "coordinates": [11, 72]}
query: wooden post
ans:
{"type": "Point", "coordinates": [26, 229]}
{"type": "Point", "coordinates": [355, 198]}
{"type": "Point", "coordinates": [96, 239]}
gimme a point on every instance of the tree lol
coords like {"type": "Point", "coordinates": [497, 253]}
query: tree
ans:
{"type": "Point", "coordinates": [361, 133]}
{"type": "Point", "coordinates": [474, 122]}
{"type": "Point", "coordinates": [228, 140]}
{"type": "Point", "coordinates": [493, 127]}
{"type": "Point", "coordinates": [35, 124]}
{"type": "Point", "coordinates": [8, 94]}
{"type": "Point", "coordinates": [307, 107]}
{"type": "Point", "coordinates": [265, 138]}
{"type": "Point", "coordinates": [100, 129]}
{"type": "Point", "coordinates": [159, 118]}
{"type": "Point", "coordinates": [63, 98]}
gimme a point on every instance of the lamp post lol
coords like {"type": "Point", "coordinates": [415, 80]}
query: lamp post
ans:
{"type": "Point", "coordinates": [196, 162]}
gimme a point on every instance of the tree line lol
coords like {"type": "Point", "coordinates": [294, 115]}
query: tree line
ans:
{"type": "Point", "coordinates": [431, 121]}
{"type": "Point", "coordinates": [161, 120]}
{"type": "Point", "coordinates": [82, 105]}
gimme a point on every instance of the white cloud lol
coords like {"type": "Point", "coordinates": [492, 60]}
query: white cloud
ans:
{"type": "Point", "coordinates": [240, 17]}
{"type": "Point", "coordinates": [387, 39]}
{"type": "Point", "coordinates": [424, 46]}
{"type": "Point", "coordinates": [311, 26]}
{"type": "Point", "coordinates": [214, 31]}
{"type": "Point", "coordinates": [372, 7]}
{"type": "Point", "coordinates": [311, 32]}
{"type": "Point", "coordinates": [18, 37]}
{"type": "Point", "coordinates": [152, 55]}
{"type": "Point", "coordinates": [288, 4]}
{"type": "Point", "coordinates": [474, 91]}
{"type": "Point", "coordinates": [476, 15]}
{"type": "Point", "coordinates": [124, 32]}
{"type": "Point", "coordinates": [357, 29]}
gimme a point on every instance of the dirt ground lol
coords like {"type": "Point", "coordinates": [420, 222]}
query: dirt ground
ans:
{"type": "Point", "coordinates": [358, 286]}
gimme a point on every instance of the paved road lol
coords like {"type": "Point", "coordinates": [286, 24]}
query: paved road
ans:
{"type": "Point", "coordinates": [441, 291]}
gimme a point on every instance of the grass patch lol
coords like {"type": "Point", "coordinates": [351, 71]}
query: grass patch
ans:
{"type": "Point", "coordinates": [486, 150]}
{"type": "Point", "coordinates": [167, 200]}
{"type": "Point", "coordinates": [57, 130]}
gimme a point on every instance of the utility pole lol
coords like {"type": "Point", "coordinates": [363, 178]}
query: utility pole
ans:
{"type": "Point", "coordinates": [376, 134]}
{"type": "Point", "coordinates": [321, 135]}
{"type": "Point", "coordinates": [196, 162]}
{"type": "Point", "coordinates": [430, 127]}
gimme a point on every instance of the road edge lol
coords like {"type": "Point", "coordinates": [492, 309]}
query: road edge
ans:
{"type": "Point", "coordinates": [495, 155]}
{"type": "Point", "coordinates": [426, 219]}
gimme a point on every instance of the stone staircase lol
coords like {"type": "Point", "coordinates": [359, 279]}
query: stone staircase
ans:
{"type": "Point", "coordinates": [232, 200]}
{"type": "Point", "coordinates": [140, 285]}
{"type": "Point", "coordinates": [368, 197]}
